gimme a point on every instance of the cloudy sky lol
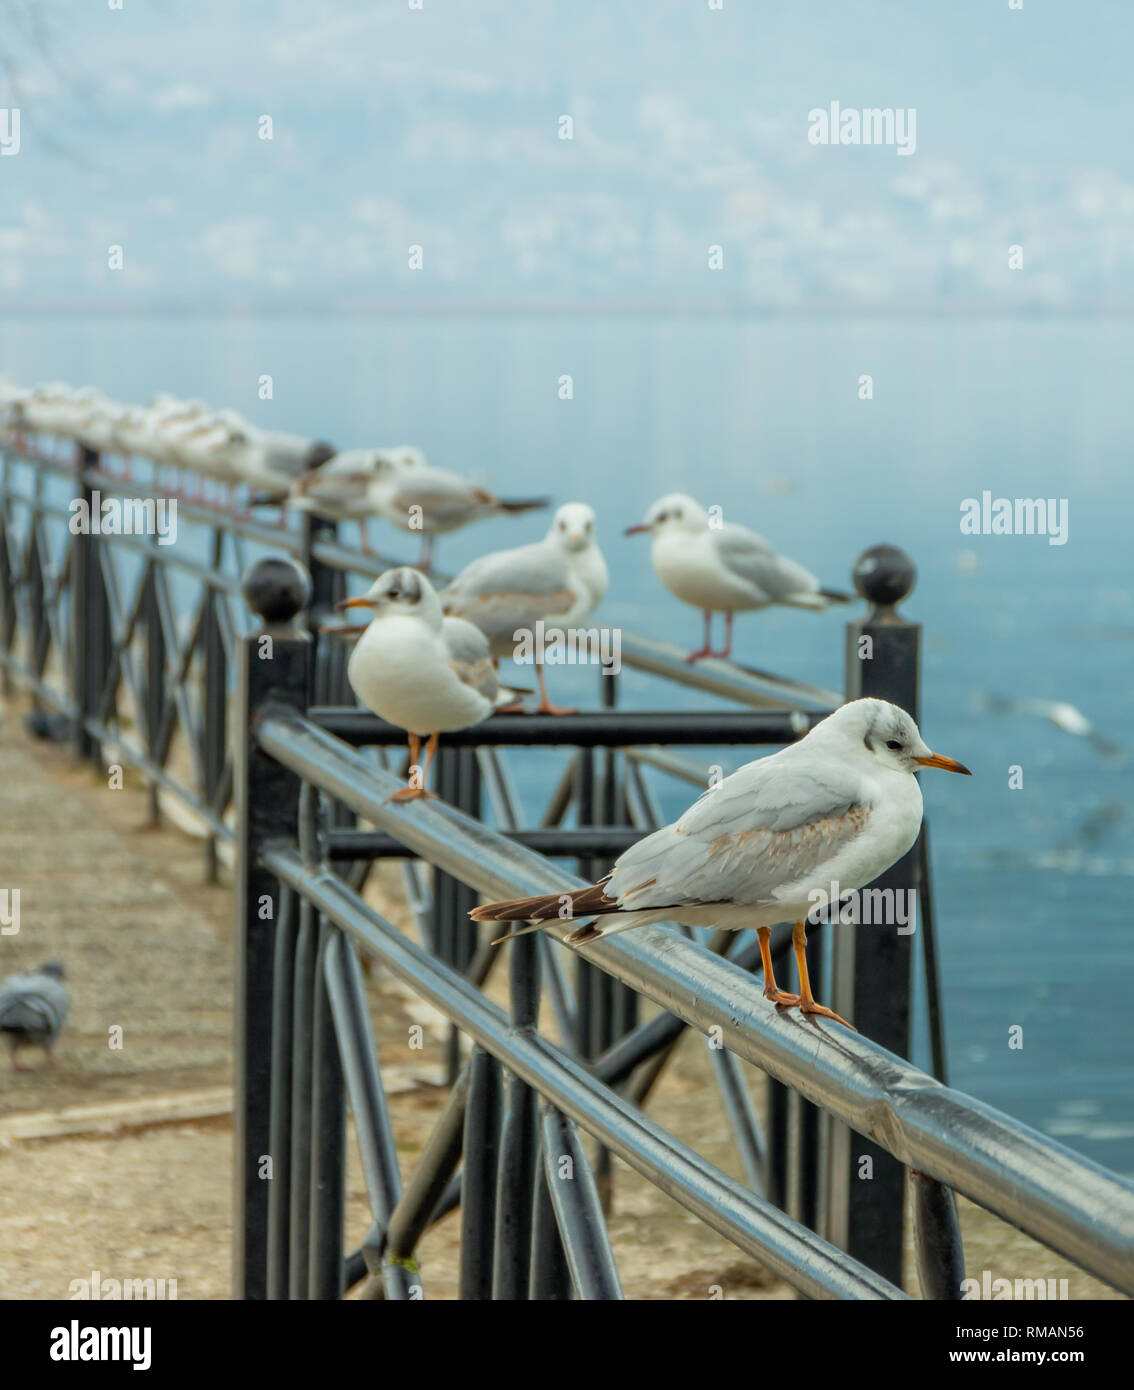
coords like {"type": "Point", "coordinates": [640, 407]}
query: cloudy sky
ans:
{"type": "Point", "coordinates": [439, 127]}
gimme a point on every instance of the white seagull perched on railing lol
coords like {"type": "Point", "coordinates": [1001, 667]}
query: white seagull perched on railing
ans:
{"type": "Point", "coordinates": [340, 488]}
{"type": "Point", "coordinates": [558, 581]}
{"type": "Point", "coordinates": [723, 568]}
{"type": "Point", "coordinates": [415, 668]}
{"type": "Point", "coordinates": [417, 498]}
{"type": "Point", "coordinates": [832, 811]}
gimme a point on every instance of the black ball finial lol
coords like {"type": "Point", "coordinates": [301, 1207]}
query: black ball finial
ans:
{"type": "Point", "coordinates": [884, 575]}
{"type": "Point", "coordinates": [277, 588]}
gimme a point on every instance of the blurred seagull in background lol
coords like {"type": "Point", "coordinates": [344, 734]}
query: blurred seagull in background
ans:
{"type": "Point", "coordinates": [413, 496]}
{"type": "Point", "coordinates": [339, 489]}
{"type": "Point", "coordinates": [559, 580]}
{"type": "Point", "coordinates": [1058, 712]}
{"type": "Point", "coordinates": [415, 668]}
{"type": "Point", "coordinates": [835, 809]}
{"type": "Point", "coordinates": [33, 1008]}
{"type": "Point", "coordinates": [723, 568]}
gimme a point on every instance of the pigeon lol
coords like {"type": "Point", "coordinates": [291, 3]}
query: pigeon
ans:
{"type": "Point", "coordinates": [33, 1008]}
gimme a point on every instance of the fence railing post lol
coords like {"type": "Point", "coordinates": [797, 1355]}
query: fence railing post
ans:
{"type": "Point", "coordinates": [90, 616]}
{"type": "Point", "coordinates": [274, 667]}
{"type": "Point", "coordinates": [872, 965]}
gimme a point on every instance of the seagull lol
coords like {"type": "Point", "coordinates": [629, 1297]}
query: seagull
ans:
{"type": "Point", "coordinates": [723, 567]}
{"type": "Point", "coordinates": [415, 497]}
{"type": "Point", "coordinates": [417, 669]}
{"type": "Point", "coordinates": [560, 579]}
{"type": "Point", "coordinates": [33, 1007]}
{"type": "Point", "coordinates": [836, 808]}
{"type": "Point", "coordinates": [339, 489]}
{"type": "Point", "coordinates": [267, 461]}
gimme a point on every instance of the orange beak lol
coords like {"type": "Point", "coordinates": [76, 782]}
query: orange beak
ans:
{"type": "Point", "coordinates": [946, 764]}
{"type": "Point", "coordinates": [635, 530]}
{"type": "Point", "coordinates": [353, 603]}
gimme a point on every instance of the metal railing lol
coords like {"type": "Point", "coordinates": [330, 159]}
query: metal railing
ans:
{"type": "Point", "coordinates": [274, 739]}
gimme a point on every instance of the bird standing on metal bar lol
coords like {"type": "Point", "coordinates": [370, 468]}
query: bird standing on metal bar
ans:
{"type": "Point", "coordinates": [723, 568]}
{"type": "Point", "coordinates": [558, 581]}
{"type": "Point", "coordinates": [398, 485]}
{"type": "Point", "coordinates": [418, 498]}
{"type": "Point", "coordinates": [33, 1008]}
{"type": "Point", "coordinates": [822, 817]}
{"type": "Point", "coordinates": [415, 668]}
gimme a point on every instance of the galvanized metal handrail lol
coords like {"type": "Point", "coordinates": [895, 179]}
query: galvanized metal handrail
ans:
{"type": "Point", "coordinates": [792, 1251]}
{"type": "Point", "coordinates": [1062, 1199]}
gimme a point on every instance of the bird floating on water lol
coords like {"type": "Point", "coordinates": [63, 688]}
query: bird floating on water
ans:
{"type": "Point", "coordinates": [723, 568]}
{"type": "Point", "coordinates": [836, 808]}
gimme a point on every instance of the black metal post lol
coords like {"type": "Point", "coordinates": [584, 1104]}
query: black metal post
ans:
{"type": "Point", "coordinates": [871, 965]}
{"type": "Point", "coordinates": [90, 616]}
{"type": "Point", "coordinates": [327, 1138]}
{"type": "Point", "coordinates": [478, 1176]}
{"type": "Point", "coordinates": [155, 677]}
{"type": "Point", "coordinates": [215, 711]}
{"type": "Point", "coordinates": [274, 668]}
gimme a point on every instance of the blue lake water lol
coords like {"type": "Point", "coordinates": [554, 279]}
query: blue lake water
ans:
{"type": "Point", "coordinates": [764, 419]}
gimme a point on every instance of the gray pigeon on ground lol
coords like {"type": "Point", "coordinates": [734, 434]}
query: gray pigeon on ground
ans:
{"type": "Point", "coordinates": [33, 1007]}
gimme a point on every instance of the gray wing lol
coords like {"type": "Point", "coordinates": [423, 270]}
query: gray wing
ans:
{"type": "Point", "coordinates": [762, 828]}
{"type": "Point", "coordinates": [442, 495]}
{"type": "Point", "coordinates": [287, 453]}
{"type": "Point", "coordinates": [343, 481]}
{"type": "Point", "coordinates": [35, 1005]}
{"type": "Point", "coordinates": [752, 558]}
{"type": "Point", "coordinates": [510, 589]}
{"type": "Point", "coordinates": [470, 657]}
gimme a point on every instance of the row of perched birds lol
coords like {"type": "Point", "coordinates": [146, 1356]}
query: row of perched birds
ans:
{"type": "Point", "coordinates": [286, 470]}
{"type": "Point", "coordinates": [559, 581]}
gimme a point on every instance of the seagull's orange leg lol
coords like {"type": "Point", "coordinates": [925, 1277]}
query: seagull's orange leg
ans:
{"type": "Point", "coordinates": [545, 706]}
{"type": "Point", "coordinates": [706, 648]}
{"type": "Point", "coordinates": [414, 791]}
{"type": "Point", "coordinates": [728, 638]}
{"type": "Point", "coordinates": [777, 996]}
{"type": "Point", "coordinates": [807, 1002]}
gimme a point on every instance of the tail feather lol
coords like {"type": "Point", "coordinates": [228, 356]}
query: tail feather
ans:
{"type": "Point", "coordinates": [522, 504]}
{"type": "Point", "coordinates": [26, 1016]}
{"type": "Point", "coordinates": [547, 907]}
{"type": "Point", "coordinates": [837, 595]}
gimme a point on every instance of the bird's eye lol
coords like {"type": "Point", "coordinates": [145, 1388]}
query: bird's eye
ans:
{"type": "Point", "coordinates": [563, 526]}
{"type": "Point", "coordinates": [677, 515]}
{"type": "Point", "coordinates": [893, 743]}
{"type": "Point", "coordinates": [662, 515]}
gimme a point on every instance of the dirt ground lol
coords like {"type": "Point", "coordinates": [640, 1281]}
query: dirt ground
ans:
{"type": "Point", "coordinates": [119, 1158]}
